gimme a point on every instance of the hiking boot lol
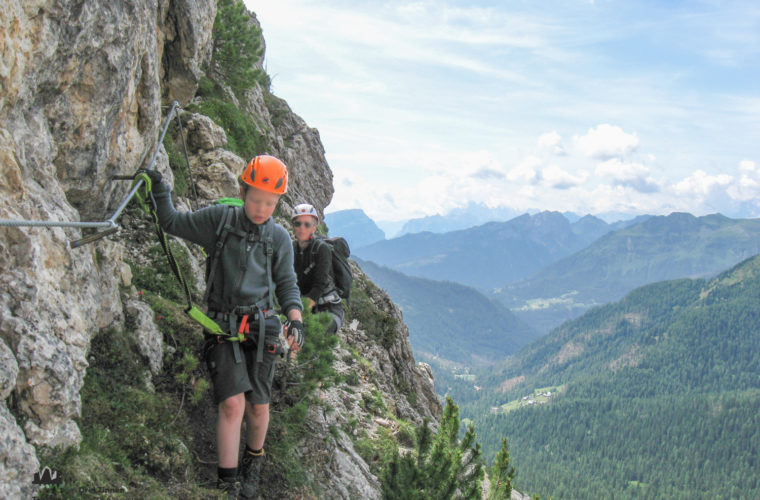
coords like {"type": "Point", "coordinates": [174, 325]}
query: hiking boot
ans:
{"type": "Point", "coordinates": [250, 474]}
{"type": "Point", "coordinates": [231, 488]}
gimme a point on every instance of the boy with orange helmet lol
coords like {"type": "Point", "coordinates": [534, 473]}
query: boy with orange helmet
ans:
{"type": "Point", "coordinates": [255, 263]}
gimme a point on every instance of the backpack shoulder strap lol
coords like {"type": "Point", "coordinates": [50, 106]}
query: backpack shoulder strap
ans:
{"type": "Point", "coordinates": [316, 244]}
{"type": "Point", "coordinates": [222, 231]}
{"type": "Point", "coordinates": [268, 242]}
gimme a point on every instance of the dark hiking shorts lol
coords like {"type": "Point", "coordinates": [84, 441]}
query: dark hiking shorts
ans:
{"type": "Point", "coordinates": [248, 377]}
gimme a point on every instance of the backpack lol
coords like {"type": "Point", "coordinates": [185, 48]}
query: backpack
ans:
{"type": "Point", "coordinates": [342, 276]}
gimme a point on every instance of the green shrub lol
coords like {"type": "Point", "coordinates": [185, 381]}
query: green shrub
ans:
{"type": "Point", "coordinates": [238, 46]}
{"type": "Point", "coordinates": [374, 403]}
{"type": "Point", "coordinates": [207, 87]}
{"type": "Point", "coordinates": [310, 369]}
{"type": "Point", "coordinates": [278, 111]}
{"type": "Point", "coordinates": [375, 322]}
{"type": "Point", "coordinates": [156, 276]}
{"type": "Point", "coordinates": [352, 378]}
{"type": "Point", "coordinates": [378, 451]}
{"type": "Point", "coordinates": [406, 433]}
{"type": "Point", "coordinates": [501, 475]}
{"type": "Point", "coordinates": [179, 167]}
{"type": "Point", "coordinates": [243, 136]}
{"type": "Point", "coordinates": [349, 359]}
{"type": "Point", "coordinates": [441, 467]}
{"type": "Point", "coordinates": [411, 397]}
{"type": "Point", "coordinates": [133, 439]}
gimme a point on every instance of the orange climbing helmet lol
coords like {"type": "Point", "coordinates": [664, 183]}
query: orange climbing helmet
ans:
{"type": "Point", "coordinates": [266, 173]}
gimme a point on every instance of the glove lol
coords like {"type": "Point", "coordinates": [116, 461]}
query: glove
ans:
{"type": "Point", "coordinates": [155, 177]}
{"type": "Point", "coordinates": [297, 331]}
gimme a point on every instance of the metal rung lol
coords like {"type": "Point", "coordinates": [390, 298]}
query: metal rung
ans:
{"type": "Point", "coordinates": [93, 237]}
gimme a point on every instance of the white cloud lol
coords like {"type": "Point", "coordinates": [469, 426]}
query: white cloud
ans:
{"type": "Point", "coordinates": [748, 186]}
{"type": "Point", "coordinates": [606, 141]}
{"type": "Point", "coordinates": [398, 89]}
{"type": "Point", "coordinates": [551, 141]}
{"type": "Point", "coordinates": [414, 9]}
{"type": "Point", "coordinates": [632, 174]}
{"type": "Point", "coordinates": [527, 171]}
{"type": "Point", "coordinates": [617, 169]}
{"type": "Point", "coordinates": [701, 184]}
{"type": "Point", "coordinates": [488, 173]}
{"type": "Point", "coordinates": [440, 182]}
{"type": "Point", "coordinates": [747, 166]}
{"type": "Point", "coordinates": [558, 178]}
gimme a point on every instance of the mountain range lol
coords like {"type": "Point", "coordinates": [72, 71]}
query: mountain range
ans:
{"type": "Point", "coordinates": [658, 248]}
{"type": "Point", "coordinates": [477, 214]}
{"type": "Point", "coordinates": [654, 396]}
{"type": "Point", "coordinates": [474, 214]}
{"type": "Point", "coordinates": [355, 226]}
{"type": "Point", "coordinates": [451, 324]}
{"type": "Point", "coordinates": [490, 255]}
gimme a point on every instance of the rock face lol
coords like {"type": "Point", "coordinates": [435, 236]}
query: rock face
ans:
{"type": "Point", "coordinates": [83, 89]}
{"type": "Point", "coordinates": [82, 86]}
{"type": "Point", "coordinates": [340, 470]}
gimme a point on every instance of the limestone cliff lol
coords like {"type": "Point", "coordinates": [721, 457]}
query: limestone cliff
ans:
{"type": "Point", "coordinates": [84, 87]}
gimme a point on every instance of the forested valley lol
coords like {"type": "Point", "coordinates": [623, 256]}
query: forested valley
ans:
{"type": "Point", "coordinates": [654, 396]}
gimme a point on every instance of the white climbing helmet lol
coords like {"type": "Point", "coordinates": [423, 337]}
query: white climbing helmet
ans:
{"type": "Point", "coordinates": [305, 209]}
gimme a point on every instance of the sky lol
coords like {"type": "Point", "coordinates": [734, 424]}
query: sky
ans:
{"type": "Point", "coordinates": [588, 106]}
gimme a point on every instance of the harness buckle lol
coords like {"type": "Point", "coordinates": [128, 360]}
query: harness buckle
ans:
{"type": "Point", "coordinates": [244, 328]}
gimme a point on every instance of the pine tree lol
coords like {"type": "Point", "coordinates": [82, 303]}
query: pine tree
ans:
{"type": "Point", "coordinates": [502, 475]}
{"type": "Point", "coordinates": [237, 46]}
{"type": "Point", "coordinates": [444, 467]}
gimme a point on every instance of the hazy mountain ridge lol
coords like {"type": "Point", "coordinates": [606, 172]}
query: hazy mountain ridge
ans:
{"type": "Point", "coordinates": [354, 225]}
{"type": "Point", "coordinates": [485, 256]}
{"type": "Point", "coordinates": [659, 248]}
{"type": "Point", "coordinates": [474, 214]}
{"type": "Point", "coordinates": [450, 321]}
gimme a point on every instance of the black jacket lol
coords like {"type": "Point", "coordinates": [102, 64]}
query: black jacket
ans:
{"type": "Point", "coordinates": [313, 266]}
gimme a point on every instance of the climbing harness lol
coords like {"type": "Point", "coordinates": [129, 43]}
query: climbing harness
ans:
{"type": "Point", "coordinates": [239, 321]}
{"type": "Point", "coordinates": [256, 312]}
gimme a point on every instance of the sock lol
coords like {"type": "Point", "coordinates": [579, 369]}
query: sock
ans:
{"type": "Point", "coordinates": [227, 474]}
{"type": "Point", "coordinates": [255, 453]}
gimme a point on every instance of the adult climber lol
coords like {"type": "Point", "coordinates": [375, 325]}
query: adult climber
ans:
{"type": "Point", "coordinates": [314, 267]}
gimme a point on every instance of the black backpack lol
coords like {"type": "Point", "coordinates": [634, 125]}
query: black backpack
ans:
{"type": "Point", "coordinates": [342, 275]}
